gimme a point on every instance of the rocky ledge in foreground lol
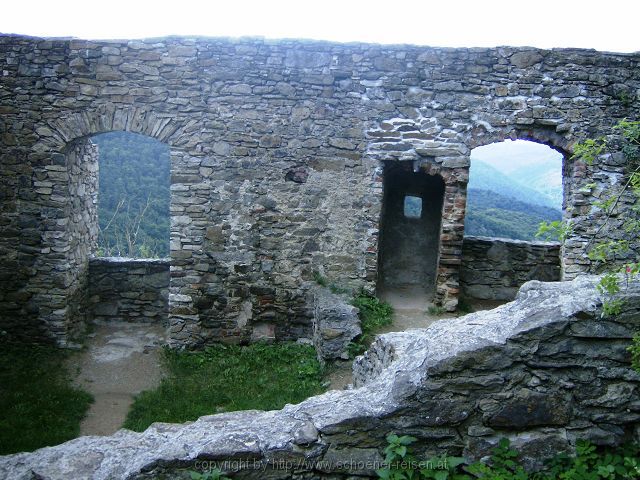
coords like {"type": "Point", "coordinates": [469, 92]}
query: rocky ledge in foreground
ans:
{"type": "Point", "coordinates": [543, 370]}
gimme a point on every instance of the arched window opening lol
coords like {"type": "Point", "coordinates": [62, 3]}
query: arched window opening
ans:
{"type": "Point", "coordinates": [513, 187]}
{"type": "Point", "coordinates": [133, 196]}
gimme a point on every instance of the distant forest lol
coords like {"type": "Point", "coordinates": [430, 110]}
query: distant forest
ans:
{"type": "Point", "coordinates": [133, 198]}
{"type": "Point", "coordinates": [490, 214]}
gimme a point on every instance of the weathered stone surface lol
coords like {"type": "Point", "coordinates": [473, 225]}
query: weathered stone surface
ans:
{"type": "Point", "coordinates": [406, 383]}
{"type": "Point", "coordinates": [127, 289]}
{"type": "Point", "coordinates": [280, 147]}
{"type": "Point", "coordinates": [335, 325]}
{"type": "Point", "coordinates": [494, 269]}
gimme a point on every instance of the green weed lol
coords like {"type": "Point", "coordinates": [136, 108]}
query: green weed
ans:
{"type": "Point", "coordinates": [38, 405]}
{"type": "Point", "coordinates": [227, 378]}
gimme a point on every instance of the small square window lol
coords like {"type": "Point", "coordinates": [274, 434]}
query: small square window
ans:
{"type": "Point", "coordinates": [412, 207]}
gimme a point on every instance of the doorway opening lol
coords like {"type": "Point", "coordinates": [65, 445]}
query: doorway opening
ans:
{"type": "Point", "coordinates": [410, 233]}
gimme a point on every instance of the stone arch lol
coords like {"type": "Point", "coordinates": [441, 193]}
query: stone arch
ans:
{"type": "Point", "coordinates": [69, 199]}
{"type": "Point", "coordinates": [560, 138]}
{"type": "Point", "coordinates": [56, 134]}
{"type": "Point", "coordinates": [549, 135]}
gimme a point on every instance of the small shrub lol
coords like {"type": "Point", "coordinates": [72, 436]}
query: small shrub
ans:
{"type": "Point", "coordinates": [464, 306]}
{"type": "Point", "coordinates": [435, 310]}
{"type": "Point", "coordinates": [374, 314]}
{"type": "Point", "coordinates": [635, 352]}
{"type": "Point", "coordinates": [402, 465]}
{"type": "Point", "coordinates": [339, 290]}
{"type": "Point", "coordinates": [320, 279]}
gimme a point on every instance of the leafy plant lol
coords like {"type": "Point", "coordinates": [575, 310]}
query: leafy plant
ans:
{"type": "Point", "coordinates": [607, 254]}
{"type": "Point", "coordinates": [589, 463]}
{"type": "Point", "coordinates": [556, 230]}
{"type": "Point", "coordinates": [503, 464]}
{"type": "Point", "coordinates": [402, 465]}
{"type": "Point", "coordinates": [320, 279]}
{"type": "Point", "coordinates": [464, 306]}
{"type": "Point", "coordinates": [635, 352]}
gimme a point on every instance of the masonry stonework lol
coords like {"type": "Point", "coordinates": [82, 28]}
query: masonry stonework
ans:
{"type": "Point", "coordinates": [495, 268]}
{"type": "Point", "coordinates": [129, 290]}
{"type": "Point", "coordinates": [278, 151]}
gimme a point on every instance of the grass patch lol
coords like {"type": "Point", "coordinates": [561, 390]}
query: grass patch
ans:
{"type": "Point", "coordinates": [464, 306]}
{"type": "Point", "coordinates": [374, 314]}
{"type": "Point", "coordinates": [38, 405]}
{"type": "Point", "coordinates": [226, 378]}
{"type": "Point", "coordinates": [435, 310]}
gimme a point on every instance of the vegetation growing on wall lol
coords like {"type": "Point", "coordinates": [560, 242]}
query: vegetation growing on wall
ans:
{"type": "Point", "coordinates": [133, 198]}
{"type": "Point", "coordinates": [374, 314]}
{"type": "Point", "coordinates": [589, 463]}
{"type": "Point", "coordinates": [613, 255]}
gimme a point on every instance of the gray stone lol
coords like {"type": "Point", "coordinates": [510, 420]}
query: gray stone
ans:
{"type": "Point", "coordinates": [335, 325]}
{"type": "Point", "coordinates": [238, 116]}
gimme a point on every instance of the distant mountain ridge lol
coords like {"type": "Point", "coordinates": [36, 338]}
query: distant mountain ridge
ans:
{"type": "Point", "coordinates": [545, 177]}
{"type": "Point", "coordinates": [512, 205]}
{"type": "Point", "coordinates": [485, 177]}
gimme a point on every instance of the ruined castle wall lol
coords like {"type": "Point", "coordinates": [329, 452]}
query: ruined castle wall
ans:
{"type": "Point", "coordinates": [495, 268]}
{"type": "Point", "coordinates": [544, 371]}
{"type": "Point", "coordinates": [128, 289]}
{"type": "Point", "coordinates": [277, 152]}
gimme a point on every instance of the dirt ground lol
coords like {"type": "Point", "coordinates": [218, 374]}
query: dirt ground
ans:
{"type": "Point", "coordinates": [120, 360]}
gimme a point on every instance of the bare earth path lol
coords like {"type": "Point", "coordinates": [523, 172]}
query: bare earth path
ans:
{"type": "Point", "coordinates": [120, 361]}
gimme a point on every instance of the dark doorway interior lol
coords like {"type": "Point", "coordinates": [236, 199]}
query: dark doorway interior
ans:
{"type": "Point", "coordinates": [410, 230]}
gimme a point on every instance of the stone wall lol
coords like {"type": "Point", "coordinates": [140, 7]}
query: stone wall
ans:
{"type": "Point", "coordinates": [543, 371]}
{"type": "Point", "coordinates": [495, 268]}
{"type": "Point", "coordinates": [130, 290]}
{"type": "Point", "coordinates": [277, 153]}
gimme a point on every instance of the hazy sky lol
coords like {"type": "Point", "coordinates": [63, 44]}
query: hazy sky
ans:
{"type": "Point", "coordinates": [610, 25]}
{"type": "Point", "coordinates": [509, 155]}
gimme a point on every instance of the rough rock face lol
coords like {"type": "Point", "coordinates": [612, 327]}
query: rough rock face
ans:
{"type": "Point", "coordinates": [494, 268]}
{"type": "Point", "coordinates": [335, 325]}
{"type": "Point", "coordinates": [543, 371]}
{"type": "Point", "coordinates": [127, 289]}
{"type": "Point", "coordinates": [278, 151]}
